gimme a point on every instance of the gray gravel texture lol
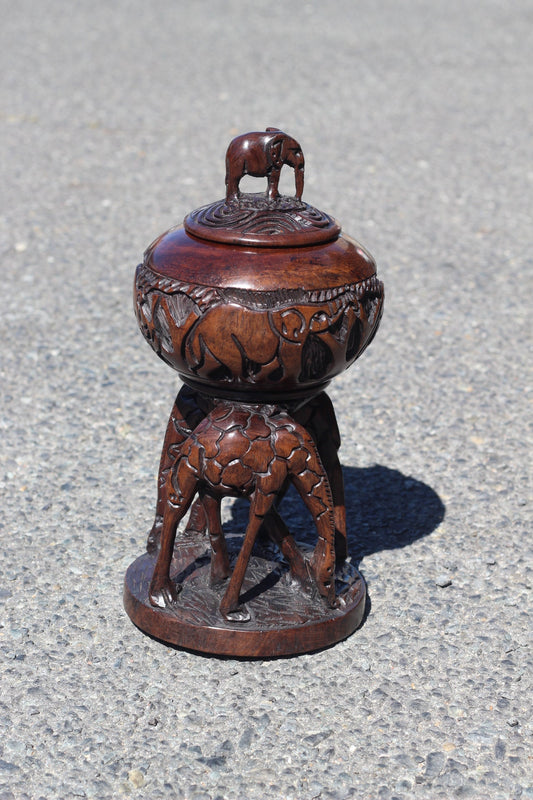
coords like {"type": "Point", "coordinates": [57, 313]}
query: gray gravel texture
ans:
{"type": "Point", "coordinates": [415, 118]}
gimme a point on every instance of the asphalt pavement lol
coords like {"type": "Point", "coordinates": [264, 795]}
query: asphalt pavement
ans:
{"type": "Point", "coordinates": [415, 119]}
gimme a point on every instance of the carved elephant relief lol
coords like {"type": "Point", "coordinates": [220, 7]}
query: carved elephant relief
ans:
{"type": "Point", "coordinates": [217, 335]}
{"type": "Point", "coordinates": [269, 346]}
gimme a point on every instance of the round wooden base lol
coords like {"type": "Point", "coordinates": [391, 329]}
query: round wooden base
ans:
{"type": "Point", "coordinates": [284, 619]}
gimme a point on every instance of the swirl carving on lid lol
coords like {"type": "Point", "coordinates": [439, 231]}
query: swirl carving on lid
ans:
{"type": "Point", "coordinates": [256, 220]}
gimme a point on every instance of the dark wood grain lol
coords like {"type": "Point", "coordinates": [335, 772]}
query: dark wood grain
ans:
{"type": "Point", "coordinates": [258, 302]}
{"type": "Point", "coordinates": [283, 620]}
{"type": "Point", "coordinates": [180, 256]}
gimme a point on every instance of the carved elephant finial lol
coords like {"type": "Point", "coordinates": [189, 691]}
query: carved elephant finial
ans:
{"type": "Point", "coordinates": [262, 154]}
{"type": "Point", "coordinates": [244, 451]}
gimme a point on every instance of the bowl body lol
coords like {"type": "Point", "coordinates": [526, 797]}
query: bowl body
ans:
{"type": "Point", "coordinates": [269, 323]}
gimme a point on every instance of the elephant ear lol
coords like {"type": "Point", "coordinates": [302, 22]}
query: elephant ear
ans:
{"type": "Point", "coordinates": [275, 148]}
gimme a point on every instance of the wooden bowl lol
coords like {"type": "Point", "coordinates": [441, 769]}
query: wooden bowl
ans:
{"type": "Point", "coordinates": [245, 321]}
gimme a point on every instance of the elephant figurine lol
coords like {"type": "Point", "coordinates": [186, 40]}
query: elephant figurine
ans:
{"type": "Point", "coordinates": [260, 154]}
{"type": "Point", "coordinates": [243, 450]}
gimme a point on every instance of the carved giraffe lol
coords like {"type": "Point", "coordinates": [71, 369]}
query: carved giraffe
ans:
{"type": "Point", "coordinates": [244, 451]}
{"type": "Point", "coordinates": [318, 418]}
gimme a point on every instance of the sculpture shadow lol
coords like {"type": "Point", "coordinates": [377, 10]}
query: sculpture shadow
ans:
{"type": "Point", "coordinates": [385, 510]}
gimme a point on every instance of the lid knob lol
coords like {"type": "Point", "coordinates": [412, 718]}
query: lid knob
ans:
{"type": "Point", "coordinates": [263, 219]}
{"type": "Point", "coordinates": [263, 154]}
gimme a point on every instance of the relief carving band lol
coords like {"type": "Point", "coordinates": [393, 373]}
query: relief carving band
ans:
{"type": "Point", "coordinates": [273, 340]}
{"type": "Point", "coordinates": [258, 301]}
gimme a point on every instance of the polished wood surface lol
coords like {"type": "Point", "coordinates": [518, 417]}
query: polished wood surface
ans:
{"type": "Point", "coordinates": [263, 154]}
{"type": "Point", "coordinates": [177, 255]}
{"type": "Point", "coordinates": [258, 301]}
{"type": "Point", "coordinates": [275, 323]}
{"type": "Point", "coordinates": [283, 619]}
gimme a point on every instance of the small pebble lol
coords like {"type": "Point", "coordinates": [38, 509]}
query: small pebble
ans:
{"type": "Point", "coordinates": [512, 722]}
{"type": "Point", "coordinates": [443, 581]}
{"type": "Point", "coordinates": [136, 777]}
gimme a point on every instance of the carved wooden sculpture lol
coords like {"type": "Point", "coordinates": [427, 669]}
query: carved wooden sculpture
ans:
{"type": "Point", "coordinates": [263, 154]}
{"type": "Point", "coordinates": [257, 301]}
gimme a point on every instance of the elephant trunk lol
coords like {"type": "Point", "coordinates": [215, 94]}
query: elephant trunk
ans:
{"type": "Point", "coordinates": [299, 180]}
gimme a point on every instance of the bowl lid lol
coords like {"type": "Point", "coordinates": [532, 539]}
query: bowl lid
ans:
{"type": "Point", "coordinates": [178, 256]}
{"type": "Point", "coordinates": [262, 219]}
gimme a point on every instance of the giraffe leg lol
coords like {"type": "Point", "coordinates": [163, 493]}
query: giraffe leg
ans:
{"type": "Point", "coordinates": [323, 566]}
{"type": "Point", "coordinates": [279, 533]}
{"type": "Point", "coordinates": [163, 591]}
{"type": "Point", "coordinates": [229, 607]}
{"type": "Point", "coordinates": [311, 481]}
{"type": "Point", "coordinates": [197, 522]}
{"type": "Point", "coordinates": [185, 415]}
{"type": "Point", "coordinates": [330, 459]}
{"type": "Point", "coordinates": [220, 569]}
{"type": "Point", "coordinates": [318, 417]}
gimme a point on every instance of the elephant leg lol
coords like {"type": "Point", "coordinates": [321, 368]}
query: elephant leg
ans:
{"type": "Point", "coordinates": [273, 183]}
{"type": "Point", "coordinates": [232, 184]}
{"type": "Point", "coordinates": [163, 591]}
{"type": "Point", "coordinates": [229, 607]}
{"type": "Point", "coordinates": [220, 569]}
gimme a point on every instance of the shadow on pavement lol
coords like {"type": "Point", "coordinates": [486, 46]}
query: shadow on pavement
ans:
{"type": "Point", "coordinates": [384, 510]}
